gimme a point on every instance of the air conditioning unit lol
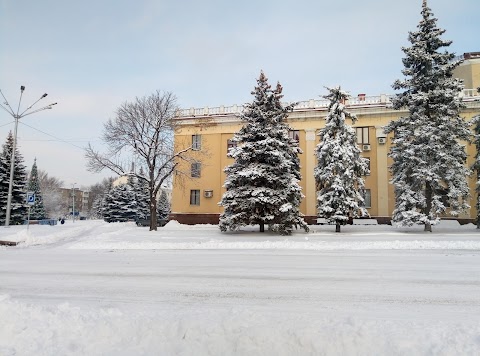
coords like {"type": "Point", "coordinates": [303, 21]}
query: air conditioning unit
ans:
{"type": "Point", "coordinates": [366, 148]}
{"type": "Point", "coordinates": [208, 193]}
{"type": "Point", "coordinates": [382, 140]}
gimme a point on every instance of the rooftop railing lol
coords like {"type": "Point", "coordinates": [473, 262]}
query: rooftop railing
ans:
{"type": "Point", "coordinates": [312, 104]}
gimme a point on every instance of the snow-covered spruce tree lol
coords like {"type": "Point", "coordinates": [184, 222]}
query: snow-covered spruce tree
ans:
{"type": "Point", "coordinates": [142, 196]}
{"type": "Point", "coordinates": [428, 171]}
{"type": "Point", "coordinates": [127, 202]}
{"type": "Point", "coordinates": [339, 170]}
{"type": "Point", "coordinates": [4, 177]}
{"type": "Point", "coordinates": [18, 212]}
{"type": "Point", "coordinates": [120, 204]}
{"type": "Point", "coordinates": [476, 164]}
{"type": "Point", "coordinates": [132, 191]}
{"type": "Point", "coordinates": [97, 207]}
{"type": "Point", "coordinates": [37, 210]}
{"type": "Point", "coordinates": [163, 206]}
{"type": "Point", "coordinates": [262, 184]}
{"type": "Point", "coordinates": [110, 209]}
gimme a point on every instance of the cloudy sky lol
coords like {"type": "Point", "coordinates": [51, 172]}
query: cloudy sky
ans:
{"type": "Point", "coordinates": [90, 56]}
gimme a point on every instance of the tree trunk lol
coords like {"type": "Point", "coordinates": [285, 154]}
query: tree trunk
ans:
{"type": "Point", "coordinates": [262, 227]}
{"type": "Point", "coordinates": [153, 213]}
{"type": "Point", "coordinates": [428, 227]}
{"type": "Point", "coordinates": [428, 206]}
{"type": "Point", "coordinates": [337, 227]}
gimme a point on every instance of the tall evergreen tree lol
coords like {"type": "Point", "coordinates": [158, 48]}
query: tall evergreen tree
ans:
{"type": "Point", "coordinates": [428, 170]}
{"type": "Point", "coordinates": [476, 165]}
{"type": "Point", "coordinates": [339, 171]}
{"type": "Point", "coordinates": [37, 210]}
{"type": "Point", "coordinates": [4, 177]}
{"type": "Point", "coordinates": [18, 212]}
{"type": "Point", "coordinates": [262, 184]}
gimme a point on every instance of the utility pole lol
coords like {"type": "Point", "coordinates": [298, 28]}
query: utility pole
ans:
{"type": "Point", "coordinates": [73, 202]}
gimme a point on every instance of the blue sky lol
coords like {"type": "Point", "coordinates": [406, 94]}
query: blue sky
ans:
{"type": "Point", "coordinates": [91, 56]}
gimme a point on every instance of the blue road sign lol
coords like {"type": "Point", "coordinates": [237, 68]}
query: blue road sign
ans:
{"type": "Point", "coordinates": [31, 198]}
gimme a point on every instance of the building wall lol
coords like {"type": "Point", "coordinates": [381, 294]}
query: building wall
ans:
{"type": "Point", "coordinates": [217, 125]}
{"type": "Point", "coordinates": [469, 70]}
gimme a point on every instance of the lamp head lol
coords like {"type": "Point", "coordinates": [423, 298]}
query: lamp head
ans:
{"type": "Point", "coordinates": [22, 88]}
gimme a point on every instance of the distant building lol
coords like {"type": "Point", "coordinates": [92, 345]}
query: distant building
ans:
{"type": "Point", "coordinates": [81, 200]}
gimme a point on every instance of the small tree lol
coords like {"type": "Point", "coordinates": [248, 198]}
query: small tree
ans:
{"type": "Point", "coordinates": [262, 184]}
{"type": "Point", "coordinates": [145, 129]}
{"type": "Point", "coordinates": [18, 211]}
{"type": "Point", "coordinates": [97, 208]}
{"type": "Point", "coordinates": [37, 210]}
{"type": "Point", "coordinates": [120, 204]}
{"type": "Point", "coordinates": [112, 211]}
{"type": "Point", "coordinates": [142, 197]}
{"type": "Point", "coordinates": [340, 168]}
{"type": "Point", "coordinates": [428, 170]}
{"type": "Point", "coordinates": [163, 209]}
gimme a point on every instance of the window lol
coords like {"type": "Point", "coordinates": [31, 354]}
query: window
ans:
{"type": "Point", "coordinates": [362, 135]}
{"type": "Point", "coordinates": [294, 135]}
{"type": "Point", "coordinates": [195, 197]}
{"type": "Point", "coordinates": [367, 198]}
{"type": "Point", "coordinates": [195, 170]}
{"type": "Point", "coordinates": [231, 144]}
{"type": "Point", "coordinates": [196, 142]}
{"type": "Point", "coordinates": [444, 197]}
{"type": "Point", "coordinates": [368, 165]}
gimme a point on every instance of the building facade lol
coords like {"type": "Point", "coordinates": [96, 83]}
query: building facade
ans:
{"type": "Point", "coordinates": [77, 201]}
{"type": "Point", "coordinates": [198, 185]}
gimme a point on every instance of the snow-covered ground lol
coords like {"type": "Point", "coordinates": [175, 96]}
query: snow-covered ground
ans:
{"type": "Point", "coordinates": [92, 288]}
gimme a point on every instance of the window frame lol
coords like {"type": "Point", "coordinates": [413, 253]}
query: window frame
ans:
{"type": "Point", "coordinates": [362, 132]}
{"type": "Point", "coordinates": [195, 169]}
{"type": "Point", "coordinates": [367, 193]}
{"type": "Point", "coordinates": [369, 166]}
{"type": "Point", "coordinates": [195, 197]}
{"type": "Point", "coordinates": [196, 142]}
{"type": "Point", "coordinates": [294, 135]}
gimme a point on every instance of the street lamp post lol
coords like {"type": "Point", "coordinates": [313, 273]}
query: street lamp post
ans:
{"type": "Point", "coordinates": [73, 202]}
{"type": "Point", "coordinates": [17, 116]}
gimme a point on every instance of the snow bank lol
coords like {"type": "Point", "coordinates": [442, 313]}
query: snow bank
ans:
{"type": "Point", "coordinates": [99, 235]}
{"type": "Point", "coordinates": [64, 329]}
{"type": "Point", "coordinates": [279, 245]}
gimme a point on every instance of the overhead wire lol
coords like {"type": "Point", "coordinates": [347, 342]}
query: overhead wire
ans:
{"type": "Point", "coordinates": [56, 138]}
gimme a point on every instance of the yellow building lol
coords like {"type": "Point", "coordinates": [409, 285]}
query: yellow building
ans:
{"type": "Point", "coordinates": [209, 130]}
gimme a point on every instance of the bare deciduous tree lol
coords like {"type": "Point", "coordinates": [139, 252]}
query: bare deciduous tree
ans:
{"type": "Point", "coordinates": [51, 194]}
{"type": "Point", "coordinates": [142, 130]}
